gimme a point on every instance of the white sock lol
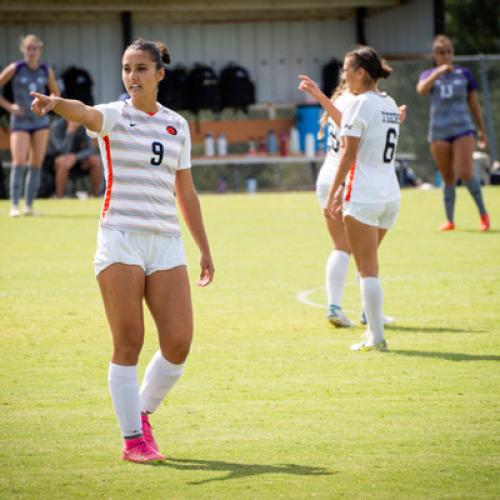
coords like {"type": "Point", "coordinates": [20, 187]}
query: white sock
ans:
{"type": "Point", "coordinates": [373, 301]}
{"type": "Point", "coordinates": [337, 266]}
{"type": "Point", "coordinates": [358, 281]}
{"type": "Point", "coordinates": [124, 390]}
{"type": "Point", "coordinates": [159, 378]}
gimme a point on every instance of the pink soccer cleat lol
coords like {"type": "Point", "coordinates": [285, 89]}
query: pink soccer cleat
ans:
{"type": "Point", "coordinates": [138, 451]}
{"type": "Point", "coordinates": [485, 222]}
{"type": "Point", "coordinates": [147, 431]}
{"type": "Point", "coordinates": [447, 226]}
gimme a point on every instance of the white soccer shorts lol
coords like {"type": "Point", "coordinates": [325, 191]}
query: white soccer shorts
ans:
{"type": "Point", "coordinates": [152, 252]}
{"type": "Point", "coordinates": [381, 215]}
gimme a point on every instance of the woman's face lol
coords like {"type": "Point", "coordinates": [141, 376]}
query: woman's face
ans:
{"type": "Point", "coordinates": [139, 74]}
{"type": "Point", "coordinates": [353, 76]}
{"type": "Point", "coordinates": [443, 53]}
{"type": "Point", "coordinates": [31, 49]}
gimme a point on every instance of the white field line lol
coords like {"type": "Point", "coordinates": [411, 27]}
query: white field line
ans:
{"type": "Point", "coordinates": [303, 297]}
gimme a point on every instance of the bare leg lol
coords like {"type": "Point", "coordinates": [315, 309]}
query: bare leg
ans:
{"type": "Point", "coordinates": [364, 241]}
{"type": "Point", "coordinates": [336, 230]}
{"type": "Point", "coordinates": [39, 141]}
{"type": "Point", "coordinates": [63, 169]}
{"type": "Point", "coordinates": [122, 290]}
{"type": "Point", "coordinates": [169, 299]}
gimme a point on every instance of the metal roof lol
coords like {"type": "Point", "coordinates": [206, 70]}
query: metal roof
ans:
{"type": "Point", "coordinates": [189, 10]}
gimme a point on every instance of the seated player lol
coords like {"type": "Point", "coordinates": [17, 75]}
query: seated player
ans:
{"type": "Point", "coordinates": [73, 153]}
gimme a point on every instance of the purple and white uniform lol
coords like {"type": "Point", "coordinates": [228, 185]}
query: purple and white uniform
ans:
{"type": "Point", "coordinates": [24, 81]}
{"type": "Point", "coordinates": [450, 116]}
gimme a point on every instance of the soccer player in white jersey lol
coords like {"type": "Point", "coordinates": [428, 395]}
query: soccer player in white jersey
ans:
{"type": "Point", "coordinates": [145, 149]}
{"type": "Point", "coordinates": [338, 261]}
{"type": "Point", "coordinates": [369, 131]}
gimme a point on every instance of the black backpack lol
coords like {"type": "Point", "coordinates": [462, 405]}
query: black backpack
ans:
{"type": "Point", "coordinates": [173, 89]}
{"type": "Point", "coordinates": [78, 85]}
{"type": "Point", "coordinates": [204, 90]}
{"type": "Point", "coordinates": [4, 114]}
{"type": "Point", "coordinates": [331, 76]}
{"type": "Point", "coordinates": [237, 89]}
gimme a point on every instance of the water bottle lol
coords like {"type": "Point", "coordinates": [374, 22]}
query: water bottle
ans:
{"type": "Point", "coordinates": [272, 146]}
{"type": "Point", "coordinates": [209, 145]}
{"type": "Point", "coordinates": [294, 144]}
{"type": "Point", "coordinates": [251, 185]}
{"type": "Point", "coordinates": [252, 148]}
{"type": "Point", "coordinates": [310, 145]}
{"type": "Point", "coordinates": [222, 145]}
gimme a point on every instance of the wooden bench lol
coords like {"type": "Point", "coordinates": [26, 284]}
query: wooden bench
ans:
{"type": "Point", "coordinates": [237, 130]}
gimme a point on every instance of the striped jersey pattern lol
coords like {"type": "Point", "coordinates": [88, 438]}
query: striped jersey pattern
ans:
{"type": "Point", "coordinates": [141, 155]}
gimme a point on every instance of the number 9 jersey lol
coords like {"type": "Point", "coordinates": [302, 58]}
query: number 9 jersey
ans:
{"type": "Point", "coordinates": [374, 118]}
{"type": "Point", "coordinates": [141, 154]}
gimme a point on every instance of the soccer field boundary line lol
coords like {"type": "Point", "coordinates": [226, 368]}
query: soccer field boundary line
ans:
{"type": "Point", "coordinates": [303, 297]}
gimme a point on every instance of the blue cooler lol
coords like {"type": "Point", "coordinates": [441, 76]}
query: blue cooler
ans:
{"type": "Point", "coordinates": [307, 117]}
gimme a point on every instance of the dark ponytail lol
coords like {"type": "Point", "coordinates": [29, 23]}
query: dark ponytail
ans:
{"type": "Point", "coordinates": [157, 50]}
{"type": "Point", "coordinates": [368, 59]}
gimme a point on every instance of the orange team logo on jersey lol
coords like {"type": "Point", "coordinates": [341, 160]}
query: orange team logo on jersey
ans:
{"type": "Point", "coordinates": [171, 130]}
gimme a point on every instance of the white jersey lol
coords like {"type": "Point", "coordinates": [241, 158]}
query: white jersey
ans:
{"type": "Point", "coordinates": [141, 154]}
{"type": "Point", "coordinates": [329, 168]}
{"type": "Point", "coordinates": [374, 117]}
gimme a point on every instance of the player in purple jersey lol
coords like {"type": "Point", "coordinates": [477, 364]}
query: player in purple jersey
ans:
{"type": "Point", "coordinates": [29, 133]}
{"type": "Point", "coordinates": [453, 92]}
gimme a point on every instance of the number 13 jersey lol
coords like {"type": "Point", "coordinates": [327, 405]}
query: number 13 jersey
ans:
{"type": "Point", "coordinates": [374, 118]}
{"type": "Point", "coordinates": [141, 154]}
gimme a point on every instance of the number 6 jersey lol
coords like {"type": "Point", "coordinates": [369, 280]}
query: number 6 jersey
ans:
{"type": "Point", "coordinates": [374, 118]}
{"type": "Point", "coordinates": [141, 154]}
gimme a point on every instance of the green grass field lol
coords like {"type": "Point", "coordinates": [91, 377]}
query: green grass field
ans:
{"type": "Point", "coordinates": [272, 403]}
